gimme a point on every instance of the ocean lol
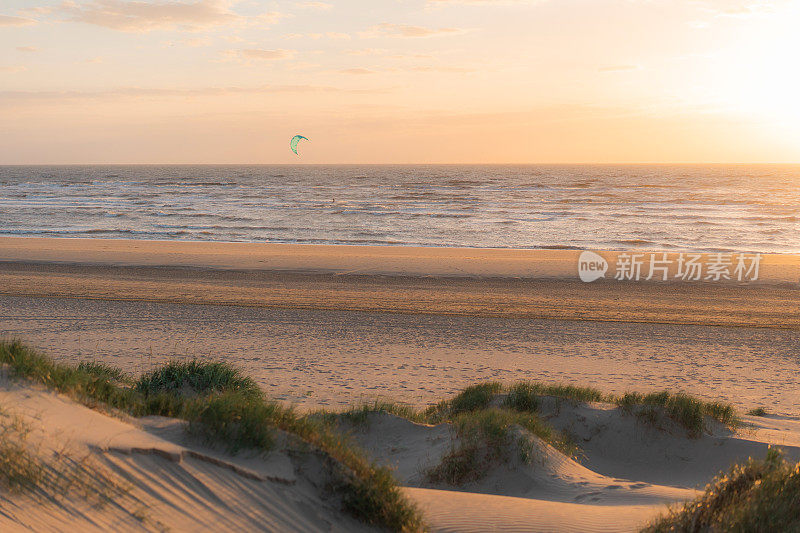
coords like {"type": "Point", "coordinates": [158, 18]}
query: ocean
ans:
{"type": "Point", "coordinates": [663, 207]}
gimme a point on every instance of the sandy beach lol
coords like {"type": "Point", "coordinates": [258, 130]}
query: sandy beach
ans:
{"type": "Point", "coordinates": [451, 281]}
{"type": "Point", "coordinates": [327, 326]}
{"type": "Point", "coordinates": [333, 327]}
{"type": "Point", "coordinates": [446, 266]}
{"type": "Point", "coordinates": [162, 478]}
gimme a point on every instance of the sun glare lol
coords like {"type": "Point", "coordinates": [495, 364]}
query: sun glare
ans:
{"type": "Point", "coordinates": [759, 78]}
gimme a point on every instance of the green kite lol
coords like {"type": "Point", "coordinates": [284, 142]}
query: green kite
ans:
{"type": "Point", "coordinates": [293, 143]}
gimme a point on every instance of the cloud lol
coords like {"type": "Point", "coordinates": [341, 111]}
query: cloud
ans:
{"type": "Point", "coordinates": [337, 35]}
{"type": "Point", "coordinates": [367, 52]}
{"type": "Point", "coordinates": [357, 71]}
{"type": "Point", "coordinates": [13, 68]}
{"type": "Point", "coordinates": [323, 6]}
{"type": "Point", "coordinates": [327, 35]}
{"type": "Point", "coordinates": [16, 97]}
{"type": "Point", "coordinates": [37, 10]}
{"type": "Point", "coordinates": [384, 52]}
{"type": "Point", "coordinates": [258, 53]}
{"type": "Point", "coordinates": [28, 49]}
{"type": "Point", "coordinates": [6, 20]}
{"type": "Point", "coordinates": [248, 55]}
{"type": "Point", "coordinates": [739, 8]}
{"type": "Point", "coordinates": [441, 69]}
{"type": "Point", "coordinates": [618, 68]}
{"type": "Point", "coordinates": [194, 42]}
{"type": "Point", "coordinates": [139, 16]}
{"type": "Point", "coordinates": [421, 68]}
{"type": "Point", "coordinates": [387, 29]}
{"type": "Point", "coordinates": [411, 56]}
{"type": "Point", "coordinates": [484, 2]}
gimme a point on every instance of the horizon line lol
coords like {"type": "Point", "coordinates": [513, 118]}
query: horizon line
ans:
{"type": "Point", "coordinates": [623, 163]}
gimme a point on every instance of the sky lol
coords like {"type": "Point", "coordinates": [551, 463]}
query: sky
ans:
{"type": "Point", "coordinates": [399, 81]}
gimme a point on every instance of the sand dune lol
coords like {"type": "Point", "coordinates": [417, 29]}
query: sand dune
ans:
{"type": "Point", "coordinates": [110, 292]}
{"type": "Point", "coordinates": [627, 472]}
{"type": "Point", "coordinates": [161, 480]}
{"type": "Point", "coordinates": [413, 448]}
{"type": "Point", "coordinates": [466, 512]}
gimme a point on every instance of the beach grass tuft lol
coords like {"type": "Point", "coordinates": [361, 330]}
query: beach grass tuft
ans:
{"type": "Point", "coordinates": [526, 395]}
{"type": "Point", "coordinates": [196, 378]}
{"type": "Point", "coordinates": [224, 407]}
{"type": "Point", "coordinates": [472, 398]}
{"type": "Point", "coordinates": [523, 397]}
{"type": "Point", "coordinates": [105, 371]}
{"type": "Point", "coordinates": [485, 438]}
{"type": "Point", "coordinates": [759, 495]}
{"type": "Point", "coordinates": [758, 411]}
{"type": "Point", "coordinates": [482, 415]}
{"type": "Point", "coordinates": [52, 476]}
{"type": "Point", "coordinates": [687, 411]}
{"type": "Point", "coordinates": [19, 469]}
{"type": "Point", "coordinates": [359, 414]}
{"type": "Point", "coordinates": [85, 384]}
{"type": "Point", "coordinates": [462, 464]}
{"type": "Point", "coordinates": [236, 420]}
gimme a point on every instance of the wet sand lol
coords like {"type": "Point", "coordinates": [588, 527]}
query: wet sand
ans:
{"type": "Point", "coordinates": [330, 334]}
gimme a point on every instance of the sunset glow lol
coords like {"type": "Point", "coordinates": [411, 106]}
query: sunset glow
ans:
{"type": "Point", "coordinates": [447, 81]}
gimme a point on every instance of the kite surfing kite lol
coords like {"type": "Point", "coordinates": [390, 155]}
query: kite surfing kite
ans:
{"type": "Point", "coordinates": [293, 143]}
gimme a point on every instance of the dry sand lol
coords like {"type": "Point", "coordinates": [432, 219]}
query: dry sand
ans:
{"type": "Point", "coordinates": [166, 480]}
{"type": "Point", "coordinates": [158, 477]}
{"type": "Point", "coordinates": [326, 358]}
{"type": "Point", "coordinates": [330, 325]}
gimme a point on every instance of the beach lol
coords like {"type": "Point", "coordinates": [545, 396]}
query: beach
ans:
{"type": "Point", "coordinates": [451, 266]}
{"type": "Point", "coordinates": [333, 327]}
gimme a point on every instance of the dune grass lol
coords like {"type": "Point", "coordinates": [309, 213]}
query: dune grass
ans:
{"type": "Point", "coordinates": [485, 437]}
{"type": "Point", "coordinates": [525, 396]}
{"type": "Point", "coordinates": [758, 411]}
{"type": "Point", "coordinates": [761, 495]}
{"type": "Point", "coordinates": [19, 469]}
{"type": "Point", "coordinates": [103, 370]}
{"type": "Point", "coordinates": [89, 384]}
{"type": "Point", "coordinates": [687, 411]}
{"type": "Point", "coordinates": [225, 407]}
{"type": "Point", "coordinates": [47, 476]}
{"type": "Point", "coordinates": [473, 398]}
{"type": "Point", "coordinates": [193, 378]}
{"type": "Point", "coordinates": [480, 420]}
{"type": "Point", "coordinates": [483, 414]}
{"type": "Point", "coordinates": [222, 405]}
{"type": "Point", "coordinates": [233, 419]}
{"type": "Point", "coordinates": [359, 415]}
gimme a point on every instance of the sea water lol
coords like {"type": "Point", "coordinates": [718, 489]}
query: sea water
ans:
{"type": "Point", "coordinates": [700, 208]}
